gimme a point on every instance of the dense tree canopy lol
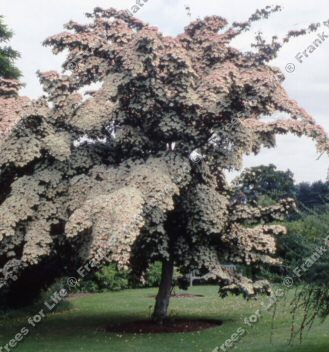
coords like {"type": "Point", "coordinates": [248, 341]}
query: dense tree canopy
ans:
{"type": "Point", "coordinates": [111, 170]}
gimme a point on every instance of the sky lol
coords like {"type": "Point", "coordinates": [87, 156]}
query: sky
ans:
{"type": "Point", "coordinates": [34, 20]}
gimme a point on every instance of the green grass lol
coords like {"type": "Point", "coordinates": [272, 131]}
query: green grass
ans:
{"type": "Point", "coordinates": [82, 327]}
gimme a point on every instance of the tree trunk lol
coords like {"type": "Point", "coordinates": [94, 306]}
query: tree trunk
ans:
{"type": "Point", "coordinates": [160, 312]}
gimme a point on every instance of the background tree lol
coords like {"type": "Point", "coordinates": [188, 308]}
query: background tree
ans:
{"type": "Point", "coordinates": [132, 193]}
{"type": "Point", "coordinates": [305, 237]}
{"type": "Point", "coordinates": [8, 55]}
{"type": "Point", "coordinates": [10, 110]}
{"type": "Point", "coordinates": [265, 181]}
{"type": "Point", "coordinates": [306, 231]}
{"type": "Point", "coordinates": [312, 196]}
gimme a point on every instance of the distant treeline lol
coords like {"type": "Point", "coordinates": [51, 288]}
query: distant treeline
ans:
{"type": "Point", "coordinates": [266, 185]}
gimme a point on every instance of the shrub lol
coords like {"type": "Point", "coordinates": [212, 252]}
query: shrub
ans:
{"type": "Point", "coordinates": [109, 278]}
{"type": "Point", "coordinates": [153, 275]}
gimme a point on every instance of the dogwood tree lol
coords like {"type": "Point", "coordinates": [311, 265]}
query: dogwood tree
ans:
{"type": "Point", "coordinates": [136, 167]}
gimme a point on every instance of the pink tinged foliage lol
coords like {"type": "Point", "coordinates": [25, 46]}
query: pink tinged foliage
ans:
{"type": "Point", "coordinates": [11, 107]}
{"type": "Point", "coordinates": [125, 192]}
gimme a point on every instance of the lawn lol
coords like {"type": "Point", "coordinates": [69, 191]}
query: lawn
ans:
{"type": "Point", "coordinates": [82, 327]}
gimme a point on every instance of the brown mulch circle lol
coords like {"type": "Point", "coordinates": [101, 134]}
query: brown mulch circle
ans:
{"type": "Point", "coordinates": [170, 326]}
{"type": "Point", "coordinates": [182, 295]}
